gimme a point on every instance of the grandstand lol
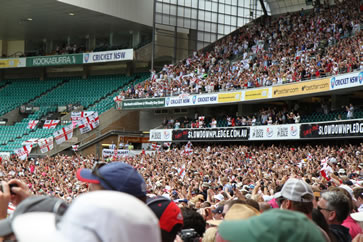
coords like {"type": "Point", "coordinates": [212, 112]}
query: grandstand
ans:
{"type": "Point", "coordinates": [264, 64]}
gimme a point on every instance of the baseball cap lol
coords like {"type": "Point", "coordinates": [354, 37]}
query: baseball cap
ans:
{"type": "Point", "coordinates": [95, 216]}
{"type": "Point", "coordinates": [296, 190]}
{"type": "Point", "coordinates": [117, 176]}
{"type": "Point", "coordinates": [168, 213]}
{"type": "Point", "coordinates": [218, 209]}
{"type": "Point", "coordinates": [236, 212]}
{"type": "Point", "coordinates": [273, 225]}
{"type": "Point", "coordinates": [33, 204]}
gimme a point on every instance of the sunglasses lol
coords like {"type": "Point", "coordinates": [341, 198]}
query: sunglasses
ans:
{"type": "Point", "coordinates": [95, 171]}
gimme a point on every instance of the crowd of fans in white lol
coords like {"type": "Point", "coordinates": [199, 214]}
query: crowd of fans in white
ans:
{"type": "Point", "coordinates": [208, 178]}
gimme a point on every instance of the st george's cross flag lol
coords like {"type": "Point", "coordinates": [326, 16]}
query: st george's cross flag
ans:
{"type": "Point", "coordinates": [63, 134]}
{"type": "Point", "coordinates": [50, 124]}
{"type": "Point", "coordinates": [23, 152]}
{"type": "Point", "coordinates": [32, 124]}
{"type": "Point", "coordinates": [46, 144]}
{"type": "Point", "coordinates": [89, 123]}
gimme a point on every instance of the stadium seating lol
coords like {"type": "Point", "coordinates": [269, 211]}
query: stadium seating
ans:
{"type": "Point", "coordinates": [94, 93]}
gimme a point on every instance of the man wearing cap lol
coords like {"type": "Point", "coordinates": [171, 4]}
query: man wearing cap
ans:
{"type": "Point", "coordinates": [169, 215]}
{"type": "Point", "coordinates": [115, 176]}
{"type": "Point", "coordinates": [296, 195]}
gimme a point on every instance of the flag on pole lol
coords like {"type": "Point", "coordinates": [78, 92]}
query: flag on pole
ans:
{"type": "Point", "coordinates": [46, 145]}
{"type": "Point", "coordinates": [50, 124]}
{"type": "Point", "coordinates": [32, 124]}
{"type": "Point", "coordinates": [63, 134]}
{"type": "Point", "coordinates": [89, 123]}
{"type": "Point", "coordinates": [23, 152]}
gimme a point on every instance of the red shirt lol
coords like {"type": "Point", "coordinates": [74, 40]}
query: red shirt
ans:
{"type": "Point", "coordinates": [353, 226]}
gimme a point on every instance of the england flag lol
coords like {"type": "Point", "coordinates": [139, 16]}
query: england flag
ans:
{"type": "Point", "coordinates": [89, 123]}
{"type": "Point", "coordinates": [23, 152]}
{"type": "Point", "coordinates": [50, 124]}
{"type": "Point", "coordinates": [46, 145]}
{"type": "Point", "coordinates": [32, 124]}
{"type": "Point", "coordinates": [63, 134]}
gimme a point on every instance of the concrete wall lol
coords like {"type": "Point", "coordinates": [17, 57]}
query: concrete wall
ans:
{"type": "Point", "coordinates": [139, 11]}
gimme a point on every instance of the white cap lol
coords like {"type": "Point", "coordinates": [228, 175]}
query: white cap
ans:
{"type": "Point", "coordinates": [95, 216]}
{"type": "Point", "coordinates": [219, 197]}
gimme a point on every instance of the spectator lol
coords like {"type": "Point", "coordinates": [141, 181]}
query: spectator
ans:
{"type": "Point", "coordinates": [273, 225]}
{"type": "Point", "coordinates": [335, 208]}
{"type": "Point", "coordinates": [96, 216]}
{"type": "Point", "coordinates": [296, 195]}
{"type": "Point", "coordinates": [116, 176]}
{"type": "Point", "coordinates": [350, 111]}
{"type": "Point", "coordinates": [31, 204]}
{"type": "Point", "coordinates": [169, 215]}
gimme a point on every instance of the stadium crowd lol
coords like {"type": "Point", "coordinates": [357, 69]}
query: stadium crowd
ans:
{"type": "Point", "coordinates": [289, 48]}
{"type": "Point", "coordinates": [205, 182]}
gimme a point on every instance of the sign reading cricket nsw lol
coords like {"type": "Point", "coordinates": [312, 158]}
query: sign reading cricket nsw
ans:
{"type": "Point", "coordinates": [108, 56]}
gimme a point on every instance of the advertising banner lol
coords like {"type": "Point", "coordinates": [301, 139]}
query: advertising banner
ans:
{"type": "Point", "coordinates": [108, 56]}
{"type": "Point", "coordinates": [275, 132]}
{"type": "Point", "coordinates": [300, 88]}
{"type": "Point", "coordinates": [346, 81]}
{"type": "Point", "coordinates": [161, 134]}
{"type": "Point", "coordinates": [143, 103]}
{"type": "Point", "coordinates": [332, 129]}
{"type": "Point", "coordinates": [54, 60]}
{"type": "Point", "coordinates": [229, 97]}
{"type": "Point", "coordinates": [12, 63]}
{"type": "Point", "coordinates": [189, 100]}
{"type": "Point", "coordinates": [111, 152]}
{"type": "Point", "coordinates": [236, 133]}
{"type": "Point", "coordinates": [256, 94]}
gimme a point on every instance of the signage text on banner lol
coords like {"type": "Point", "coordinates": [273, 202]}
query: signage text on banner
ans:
{"type": "Point", "coordinates": [111, 152]}
{"type": "Point", "coordinates": [143, 103]}
{"type": "Point", "coordinates": [346, 81]}
{"type": "Point", "coordinates": [54, 60]}
{"type": "Point", "coordinates": [161, 135]}
{"type": "Point", "coordinates": [229, 97]}
{"type": "Point", "coordinates": [256, 94]}
{"type": "Point", "coordinates": [306, 87]}
{"type": "Point", "coordinates": [235, 133]}
{"type": "Point", "coordinates": [108, 56]}
{"type": "Point", "coordinates": [332, 129]}
{"type": "Point", "coordinates": [275, 132]}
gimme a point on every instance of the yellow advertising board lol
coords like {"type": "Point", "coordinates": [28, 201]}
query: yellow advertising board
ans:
{"type": "Point", "coordinates": [301, 88]}
{"type": "Point", "coordinates": [11, 63]}
{"type": "Point", "coordinates": [256, 94]}
{"type": "Point", "coordinates": [229, 97]}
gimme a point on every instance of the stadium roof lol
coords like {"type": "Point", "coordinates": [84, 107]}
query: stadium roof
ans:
{"type": "Point", "coordinates": [38, 19]}
{"type": "Point", "coordinates": [284, 6]}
